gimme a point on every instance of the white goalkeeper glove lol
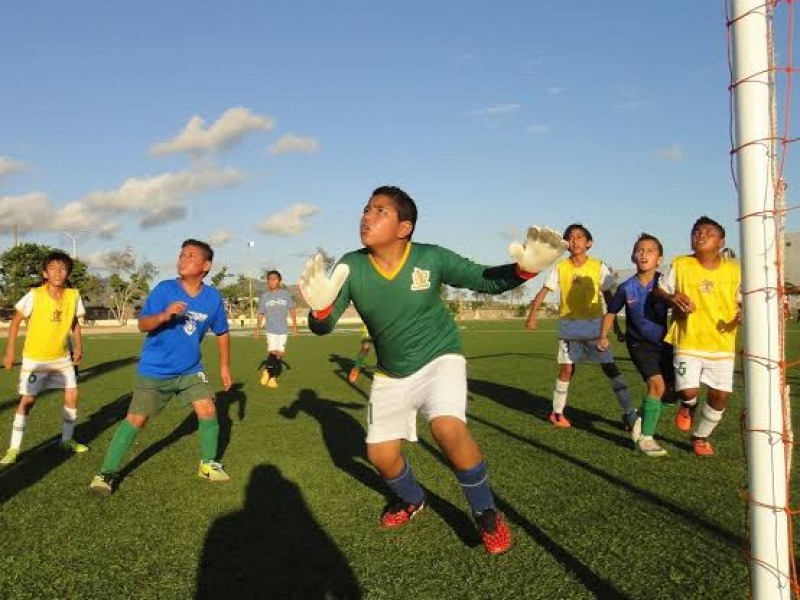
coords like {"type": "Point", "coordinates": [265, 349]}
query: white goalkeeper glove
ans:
{"type": "Point", "coordinates": [542, 248]}
{"type": "Point", "coordinates": [317, 290]}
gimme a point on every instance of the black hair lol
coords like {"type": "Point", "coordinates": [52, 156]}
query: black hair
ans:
{"type": "Point", "coordinates": [58, 256]}
{"type": "Point", "coordinates": [403, 204]}
{"type": "Point", "coordinates": [645, 237]}
{"type": "Point", "coordinates": [573, 227]}
{"type": "Point", "coordinates": [273, 272]}
{"type": "Point", "coordinates": [207, 250]}
{"type": "Point", "coordinates": [704, 220]}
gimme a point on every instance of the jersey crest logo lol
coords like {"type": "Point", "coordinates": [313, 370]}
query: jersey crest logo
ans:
{"type": "Point", "coordinates": [420, 280]}
{"type": "Point", "coordinates": [706, 286]}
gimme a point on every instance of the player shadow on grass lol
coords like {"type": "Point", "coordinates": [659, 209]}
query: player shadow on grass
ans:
{"type": "Point", "coordinates": [224, 400]}
{"type": "Point", "coordinates": [539, 407]}
{"type": "Point", "coordinates": [105, 367]}
{"type": "Point", "coordinates": [343, 366]}
{"type": "Point", "coordinates": [36, 462]}
{"type": "Point", "coordinates": [690, 517]}
{"type": "Point", "coordinates": [272, 548]}
{"type": "Point", "coordinates": [344, 439]}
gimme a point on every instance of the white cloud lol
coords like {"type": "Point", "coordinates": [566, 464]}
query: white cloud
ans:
{"type": "Point", "coordinates": [162, 198]}
{"type": "Point", "coordinates": [293, 144]}
{"type": "Point", "coordinates": [538, 128]}
{"type": "Point", "coordinates": [227, 130]}
{"type": "Point", "coordinates": [108, 231]}
{"type": "Point", "coordinates": [220, 238]}
{"type": "Point", "coordinates": [28, 212]}
{"type": "Point", "coordinates": [76, 216]}
{"type": "Point", "coordinates": [499, 109]}
{"type": "Point", "coordinates": [555, 90]}
{"type": "Point", "coordinates": [672, 153]}
{"type": "Point", "coordinates": [291, 221]}
{"type": "Point", "coordinates": [9, 166]}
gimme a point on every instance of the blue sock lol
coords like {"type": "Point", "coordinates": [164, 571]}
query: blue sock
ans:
{"type": "Point", "coordinates": [475, 485]}
{"type": "Point", "coordinates": [405, 485]}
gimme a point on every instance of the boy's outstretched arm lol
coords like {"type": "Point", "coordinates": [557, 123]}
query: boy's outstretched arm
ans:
{"type": "Point", "coordinates": [609, 319]}
{"type": "Point", "coordinates": [533, 318]}
{"type": "Point", "coordinates": [224, 346]}
{"type": "Point", "coordinates": [11, 343]}
{"type": "Point", "coordinates": [77, 342]}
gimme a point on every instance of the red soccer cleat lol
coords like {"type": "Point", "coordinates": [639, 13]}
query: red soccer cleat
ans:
{"type": "Point", "coordinates": [684, 418]}
{"type": "Point", "coordinates": [702, 447]}
{"type": "Point", "coordinates": [559, 420]}
{"type": "Point", "coordinates": [399, 513]}
{"type": "Point", "coordinates": [495, 534]}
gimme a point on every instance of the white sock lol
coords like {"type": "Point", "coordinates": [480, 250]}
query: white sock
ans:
{"type": "Point", "coordinates": [621, 392]}
{"type": "Point", "coordinates": [17, 430]}
{"type": "Point", "coordinates": [560, 396]}
{"type": "Point", "coordinates": [709, 419]}
{"type": "Point", "coordinates": [690, 403]}
{"type": "Point", "coordinates": [70, 415]}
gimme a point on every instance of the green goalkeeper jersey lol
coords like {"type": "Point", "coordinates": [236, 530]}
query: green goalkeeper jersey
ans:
{"type": "Point", "coordinates": [404, 312]}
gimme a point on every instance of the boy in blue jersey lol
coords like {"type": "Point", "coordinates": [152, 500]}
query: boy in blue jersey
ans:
{"type": "Point", "coordinates": [176, 315]}
{"type": "Point", "coordinates": [646, 326]}
{"type": "Point", "coordinates": [395, 286]}
{"type": "Point", "coordinates": [274, 306]}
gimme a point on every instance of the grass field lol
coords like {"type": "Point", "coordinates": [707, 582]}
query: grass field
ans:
{"type": "Point", "coordinates": [591, 517]}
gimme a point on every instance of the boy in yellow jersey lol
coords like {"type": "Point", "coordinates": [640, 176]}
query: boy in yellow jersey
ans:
{"type": "Point", "coordinates": [52, 312]}
{"type": "Point", "coordinates": [583, 282]}
{"type": "Point", "coordinates": [704, 288]}
{"type": "Point", "coordinates": [363, 351]}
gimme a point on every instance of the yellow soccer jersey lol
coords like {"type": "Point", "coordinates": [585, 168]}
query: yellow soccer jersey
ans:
{"type": "Point", "coordinates": [49, 322]}
{"type": "Point", "coordinates": [580, 287]}
{"type": "Point", "coordinates": [709, 331]}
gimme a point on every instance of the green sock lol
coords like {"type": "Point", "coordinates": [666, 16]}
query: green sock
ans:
{"type": "Point", "coordinates": [120, 444]}
{"type": "Point", "coordinates": [651, 409]}
{"type": "Point", "coordinates": [209, 438]}
{"type": "Point", "coordinates": [359, 361]}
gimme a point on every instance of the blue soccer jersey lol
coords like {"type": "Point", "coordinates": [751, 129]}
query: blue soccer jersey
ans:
{"type": "Point", "coordinates": [645, 313]}
{"type": "Point", "coordinates": [173, 349]}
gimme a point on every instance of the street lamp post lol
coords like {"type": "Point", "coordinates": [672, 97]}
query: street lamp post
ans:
{"type": "Point", "coordinates": [249, 248]}
{"type": "Point", "coordinates": [74, 239]}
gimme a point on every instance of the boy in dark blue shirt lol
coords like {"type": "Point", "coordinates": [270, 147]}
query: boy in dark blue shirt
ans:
{"type": "Point", "coordinates": [646, 326]}
{"type": "Point", "coordinates": [176, 316]}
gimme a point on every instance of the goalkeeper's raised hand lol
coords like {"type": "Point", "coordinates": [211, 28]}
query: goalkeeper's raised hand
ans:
{"type": "Point", "coordinates": [317, 289]}
{"type": "Point", "coordinates": [542, 248]}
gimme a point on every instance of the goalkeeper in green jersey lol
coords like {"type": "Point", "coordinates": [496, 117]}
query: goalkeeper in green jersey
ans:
{"type": "Point", "coordinates": [395, 284]}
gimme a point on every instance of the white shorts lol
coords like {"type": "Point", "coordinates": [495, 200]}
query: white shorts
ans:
{"type": "Point", "coordinates": [276, 342]}
{"type": "Point", "coordinates": [577, 351]}
{"type": "Point", "coordinates": [438, 389]}
{"type": "Point", "coordinates": [36, 376]}
{"type": "Point", "coordinates": [691, 371]}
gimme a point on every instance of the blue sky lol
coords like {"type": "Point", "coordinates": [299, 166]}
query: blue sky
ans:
{"type": "Point", "coordinates": [145, 123]}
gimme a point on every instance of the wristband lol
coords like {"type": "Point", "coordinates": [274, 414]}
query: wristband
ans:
{"type": "Point", "coordinates": [524, 275]}
{"type": "Point", "coordinates": [323, 314]}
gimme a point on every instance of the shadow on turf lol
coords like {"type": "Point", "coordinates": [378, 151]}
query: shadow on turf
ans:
{"type": "Point", "coordinates": [38, 461]}
{"type": "Point", "coordinates": [539, 407]}
{"type": "Point", "coordinates": [733, 540]}
{"type": "Point", "coordinates": [344, 439]}
{"type": "Point", "coordinates": [343, 366]}
{"type": "Point", "coordinates": [272, 548]}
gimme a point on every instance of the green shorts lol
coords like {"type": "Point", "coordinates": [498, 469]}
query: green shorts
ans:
{"type": "Point", "coordinates": [150, 395]}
